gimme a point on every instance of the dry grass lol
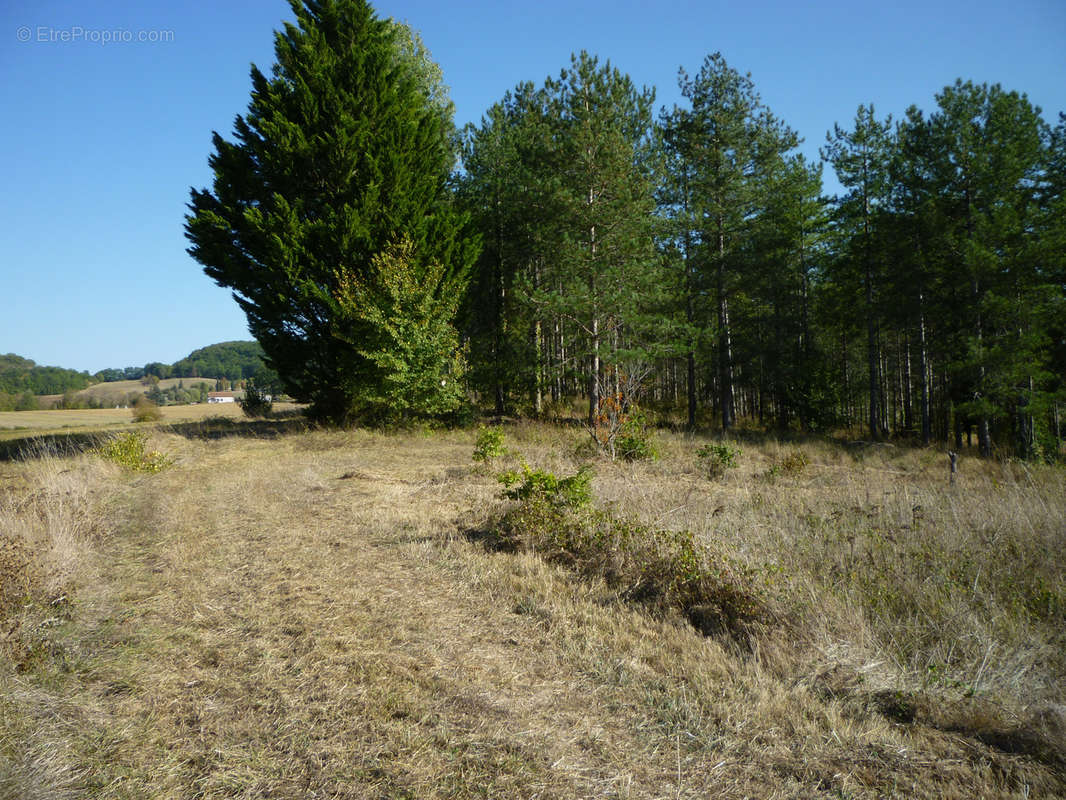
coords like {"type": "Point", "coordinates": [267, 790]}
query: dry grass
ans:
{"type": "Point", "coordinates": [16, 423]}
{"type": "Point", "coordinates": [302, 617]}
{"type": "Point", "coordinates": [116, 392]}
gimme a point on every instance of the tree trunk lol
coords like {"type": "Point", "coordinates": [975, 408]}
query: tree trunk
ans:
{"type": "Point", "coordinates": [923, 366]}
{"type": "Point", "coordinates": [725, 354]}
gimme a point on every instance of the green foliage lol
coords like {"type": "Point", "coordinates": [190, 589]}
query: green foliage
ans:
{"type": "Point", "coordinates": [414, 366]}
{"type": "Point", "coordinates": [661, 568]}
{"type": "Point", "coordinates": [234, 361]}
{"type": "Point", "coordinates": [144, 410]}
{"type": "Point", "coordinates": [340, 169]}
{"type": "Point", "coordinates": [489, 444]}
{"type": "Point", "coordinates": [255, 403]}
{"type": "Point", "coordinates": [635, 442]}
{"type": "Point", "coordinates": [540, 486]}
{"type": "Point", "coordinates": [716, 459]}
{"type": "Point", "coordinates": [130, 450]}
{"type": "Point", "coordinates": [20, 376]}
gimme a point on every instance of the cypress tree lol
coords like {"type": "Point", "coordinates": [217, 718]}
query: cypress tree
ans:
{"type": "Point", "coordinates": [338, 170]}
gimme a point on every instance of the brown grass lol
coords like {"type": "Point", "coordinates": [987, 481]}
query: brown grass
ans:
{"type": "Point", "coordinates": [17, 423]}
{"type": "Point", "coordinates": [301, 617]}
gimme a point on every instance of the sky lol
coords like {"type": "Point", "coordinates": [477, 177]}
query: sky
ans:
{"type": "Point", "coordinates": [108, 108]}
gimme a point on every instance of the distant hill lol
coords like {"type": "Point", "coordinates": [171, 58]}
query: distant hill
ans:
{"type": "Point", "coordinates": [20, 375]}
{"type": "Point", "coordinates": [25, 385]}
{"type": "Point", "coordinates": [231, 360]}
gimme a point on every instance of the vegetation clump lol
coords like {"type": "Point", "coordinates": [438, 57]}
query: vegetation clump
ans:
{"type": "Point", "coordinates": [537, 486]}
{"type": "Point", "coordinates": [255, 403]}
{"type": "Point", "coordinates": [664, 569]}
{"type": "Point", "coordinates": [791, 466]}
{"type": "Point", "coordinates": [489, 444]}
{"type": "Point", "coordinates": [130, 450]}
{"type": "Point", "coordinates": [144, 410]}
{"type": "Point", "coordinates": [716, 459]}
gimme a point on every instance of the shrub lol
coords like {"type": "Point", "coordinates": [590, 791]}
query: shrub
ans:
{"type": "Point", "coordinates": [717, 458]}
{"type": "Point", "coordinates": [535, 485]}
{"type": "Point", "coordinates": [129, 450]}
{"type": "Point", "coordinates": [634, 442]}
{"type": "Point", "coordinates": [489, 444]}
{"type": "Point", "coordinates": [660, 568]}
{"type": "Point", "coordinates": [144, 410]}
{"type": "Point", "coordinates": [255, 402]}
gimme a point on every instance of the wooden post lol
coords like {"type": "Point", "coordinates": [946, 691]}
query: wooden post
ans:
{"type": "Point", "coordinates": [953, 459]}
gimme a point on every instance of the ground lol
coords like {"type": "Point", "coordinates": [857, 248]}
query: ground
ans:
{"type": "Point", "coordinates": [308, 614]}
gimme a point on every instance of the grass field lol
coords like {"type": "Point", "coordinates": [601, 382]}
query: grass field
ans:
{"type": "Point", "coordinates": [316, 614]}
{"type": "Point", "coordinates": [17, 423]}
{"type": "Point", "coordinates": [116, 392]}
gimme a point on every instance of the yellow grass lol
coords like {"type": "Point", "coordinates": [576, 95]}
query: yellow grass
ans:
{"type": "Point", "coordinates": [306, 616]}
{"type": "Point", "coordinates": [91, 418]}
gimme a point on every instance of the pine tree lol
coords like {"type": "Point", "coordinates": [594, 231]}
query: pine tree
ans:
{"type": "Point", "coordinates": [341, 162]}
{"type": "Point", "coordinates": [717, 151]}
{"type": "Point", "coordinates": [606, 282]}
{"type": "Point", "coordinates": [861, 158]}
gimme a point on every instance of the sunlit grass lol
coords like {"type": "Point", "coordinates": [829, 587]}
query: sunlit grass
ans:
{"type": "Point", "coordinates": [315, 614]}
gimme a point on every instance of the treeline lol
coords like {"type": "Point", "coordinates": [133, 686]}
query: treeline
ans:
{"type": "Point", "coordinates": [234, 361]}
{"type": "Point", "coordinates": [690, 259]}
{"type": "Point", "coordinates": [20, 375]}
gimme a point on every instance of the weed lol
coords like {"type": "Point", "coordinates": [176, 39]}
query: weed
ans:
{"type": "Point", "coordinates": [144, 410]}
{"type": "Point", "coordinates": [129, 450]}
{"type": "Point", "coordinates": [791, 466]}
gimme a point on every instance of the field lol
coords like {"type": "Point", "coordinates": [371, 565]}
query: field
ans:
{"type": "Point", "coordinates": [116, 392]}
{"type": "Point", "coordinates": [289, 612]}
{"type": "Point", "coordinates": [17, 423]}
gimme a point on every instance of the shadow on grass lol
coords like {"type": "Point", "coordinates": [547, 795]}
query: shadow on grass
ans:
{"type": "Point", "coordinates": [33, 446]}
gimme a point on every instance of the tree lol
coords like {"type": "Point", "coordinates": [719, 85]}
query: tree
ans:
{"type": "Point", "coordinates": [719, 152]}
{"type": "Point", "coordinates": [991, 143]}
{"type": "Point", "coordinates": [509, 187]}
{"type": "Point", "coordinates": [606, 280]}
{"type": "Point", "coordinates": [343, 156]}
{"type": "Point", "coordinates": [559, 182]}
{"type": "Point", "coordinates": [861, 159]}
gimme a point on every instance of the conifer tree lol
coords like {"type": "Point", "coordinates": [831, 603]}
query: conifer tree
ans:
{"type": "Point", "coordinates": [861, 159]}
{"type": "Point", "coordinates": [339, 169]}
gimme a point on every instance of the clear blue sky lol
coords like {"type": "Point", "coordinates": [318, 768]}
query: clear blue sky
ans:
{"type": "Point", "coordinates": [102, 139]}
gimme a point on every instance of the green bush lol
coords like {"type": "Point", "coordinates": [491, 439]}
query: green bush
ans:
{"type": "Point", "coordinates": [716, 459]}
{"type": "Point", "coordinates": [489, 444]}
{"type": "Point", "coordinates": [129, 450]}
{"type": "Point", "coordinates": [634, 442]}
{"type": "Point", "coordinates": [537, 485]}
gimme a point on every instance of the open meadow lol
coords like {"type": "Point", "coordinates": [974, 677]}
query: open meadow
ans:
{"type": "Point", "coordinates": [15, 424]}
{"type": "Point", "coordinates": [271, 610]}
